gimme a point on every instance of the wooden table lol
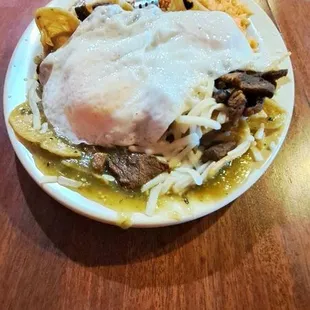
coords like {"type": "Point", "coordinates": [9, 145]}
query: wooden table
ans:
{"type": "Point", "coordinates": [254, 254]}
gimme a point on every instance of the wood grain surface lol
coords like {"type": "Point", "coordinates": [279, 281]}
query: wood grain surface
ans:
{"type": "Point", "coordinates": [253, 254]}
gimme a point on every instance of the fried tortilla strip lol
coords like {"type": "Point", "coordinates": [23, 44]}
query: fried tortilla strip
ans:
{"type": "Point", "coordinates": [58, 147]}
{"type": "Point", "coordinates": [78, 165]}
{"type": "Point", "coordinates": [56, 27]}
{"type": "Point", "coordinates": [21, 121]}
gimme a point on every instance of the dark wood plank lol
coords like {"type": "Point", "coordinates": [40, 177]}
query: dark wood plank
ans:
{"type": "Point", "coordinates": [254, 254]}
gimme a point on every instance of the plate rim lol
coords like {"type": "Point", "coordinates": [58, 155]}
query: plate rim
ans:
{"type": "Point", "coordinates": [139, 220]}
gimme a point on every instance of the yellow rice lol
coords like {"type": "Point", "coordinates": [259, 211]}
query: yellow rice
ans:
{"type": "Point", "coordinates": [234, 8]}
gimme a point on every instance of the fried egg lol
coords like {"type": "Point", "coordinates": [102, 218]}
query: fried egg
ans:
{"type": "Point", "coordinates": [124, 77]}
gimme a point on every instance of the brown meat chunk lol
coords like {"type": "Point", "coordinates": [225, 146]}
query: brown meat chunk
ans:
{"type": "Point", "coordinates": [273, 75]}
{"type": "Point", "coordinates": [82, 12]}
{"type": "Point", "coordinates": [236, 105]}
{"type": "Point", "coordinates": [229, 80]}
{"type": "Point", "coordinates": [170, 138]}
{"type": "Point", "coordinates": [256, 86]}
{"type": "Point", "coordinates": [218, 151]}
{"type": "Point", "coordinates": [98, 162]}
{"type": "Point", "coordinates": [132, 170]}
{"type": "Point", "coordinates": [188, 4]}
{"type": "Point", "coordinates": [254, 108]}
{"type": "Point", "coordinates": [220, 84]}
{"type": "Point", "coordinates": [236, 99]}
{"type": "Point", "coordinates": [270, 76]}
{"type": "Point", "coordinates": [221, 95]}
{"type": "Point", "coordinates": [209, 138]}
{"type": "Point", "coordinates": [250, 84]}
{"type": "Point", "coordinates": [215, 137]}
{"type": "Point", "coordinates": [253, 73]}
{"type": "Point", "coordinates": [251, 87]}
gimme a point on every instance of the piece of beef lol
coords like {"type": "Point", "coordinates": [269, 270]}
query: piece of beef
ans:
{"type": "Point", "coordinates": [98, 162]}
{"type": "Point", "coordinates": [254, 107]}
{"type": "Point", "coordinates": [236, 105]}
{"type": "Point", "coordinates": [218, 151]}
{"type": "Point", "coordinates": [251, 87]}
{"type": "Point", "coordinates": [221, 95]}
{"type": "Point", "coordinates": [270, 76]}
{"type": "Point", "coordinates": [220, 84]}
{"type": "Point", "coordinates": [132, 170]}
{"type": "Point", "coordinates": [253, 73]}
{"type": "Point", "coordinates": [250, 84]}
{"type": "Point", "coordinates": [82, 12]}
{"type": "Point", "coordinates": [236, 99]}
{"type": "Point", "coordinates": [188, 4]}
{"type": "Point", "coordinates": [214, 137]}
{"type": "Point", "coordinates": [229, 80]}
{"type": "Point", "coordinates": [273, 75]}
{"type": "Point", "coordinates": [256, 86]}
{"type": "Point", "coordinates": [209, 138]}
{"type": "Point", "coordinates": [170, 138]}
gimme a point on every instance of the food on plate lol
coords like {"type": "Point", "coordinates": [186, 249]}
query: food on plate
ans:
{"type": "Point", "coordinates": [142, 105]}
{"type": "Point", "coordinates": [148, 69]}
{"type": "Point", "coordinates": [84, 9]}
{"type": "Point", "coordinates": [238, 11]}
{"type": "Point", "coordinates": [56, 27]}
{"type": "Point", "coordinates": [21, 119]}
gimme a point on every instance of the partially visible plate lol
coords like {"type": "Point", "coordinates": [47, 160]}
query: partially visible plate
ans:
{"type": "Point", "coordinates": [22, 68]}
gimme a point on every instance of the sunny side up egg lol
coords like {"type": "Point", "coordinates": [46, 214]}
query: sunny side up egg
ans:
{"type": "Point", "coordinates": [124, 76]}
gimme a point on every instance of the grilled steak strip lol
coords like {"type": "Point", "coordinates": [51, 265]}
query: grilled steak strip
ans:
{"type": "Point", "coordinates": [132, 170]}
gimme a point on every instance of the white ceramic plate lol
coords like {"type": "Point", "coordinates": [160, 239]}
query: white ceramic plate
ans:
{"type": "Point", "coordinates": [22, 67]}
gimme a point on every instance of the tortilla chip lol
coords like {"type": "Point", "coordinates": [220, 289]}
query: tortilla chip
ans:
{"type": "Point", "coordinates": [21, 121]}
{"type": "Point", "coordinates": [56, 27]}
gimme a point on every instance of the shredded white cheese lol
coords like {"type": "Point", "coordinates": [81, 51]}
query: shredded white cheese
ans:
{"type": "Point", "coordinates": [69, 182]}
{"type": "Point", "coordinates": [256, 154]}
{"type": "Point", "coordinates": [193, 173]}
{"type": "Point", "coordinates": [260, 133]}
{"type": "Point", "coordinates": [199, 121]}
{"type": "Point", "coordinates": [44, 128]}
{"type": "Point", "coordinates": [159, 179]}
{"type": "Point", "coordinates": [33, 103]}
{"type": "Point", "coordinates": [152, 201]}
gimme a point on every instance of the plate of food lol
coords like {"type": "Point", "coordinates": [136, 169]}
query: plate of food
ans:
{"type": "Point", "coordinates": [148, 114]}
